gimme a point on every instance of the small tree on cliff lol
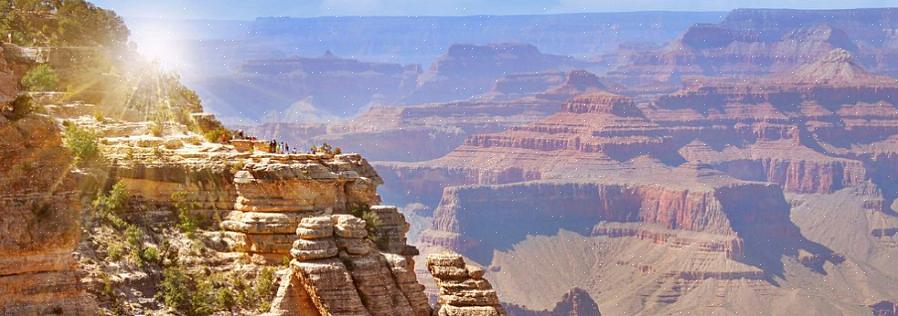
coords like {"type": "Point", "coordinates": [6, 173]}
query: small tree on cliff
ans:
{"type": "Point", "coordinates": [41, 78]}
{"type": "Point", "coordinates": [84, 143]}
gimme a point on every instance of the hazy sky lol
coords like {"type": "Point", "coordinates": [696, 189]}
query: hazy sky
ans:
{"type": "Point", "coordinates": [248, 9]}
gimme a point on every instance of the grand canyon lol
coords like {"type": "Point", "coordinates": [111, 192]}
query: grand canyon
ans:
{"type": "Point", "coordinates": [576, 163]}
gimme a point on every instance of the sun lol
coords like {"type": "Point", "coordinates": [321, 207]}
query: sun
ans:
{"type": "Point", "coordinates": [161, 47]}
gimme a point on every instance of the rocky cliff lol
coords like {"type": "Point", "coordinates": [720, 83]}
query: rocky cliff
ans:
{"type": "Point", "coordinates": [257, 210]}
{"type": "Point", "coordinates": [40, 210]}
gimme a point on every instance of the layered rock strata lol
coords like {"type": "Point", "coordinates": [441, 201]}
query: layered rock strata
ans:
{"type": "Point", "coordinates": [275, 192]}
{"type": "Point", "coordinates": [39, 223]}
{"type": "Point", "coordinates": [462, 288]}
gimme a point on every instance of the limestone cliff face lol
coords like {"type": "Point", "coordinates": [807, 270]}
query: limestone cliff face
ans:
{"type": "Point", "coordinates": [39, 223]}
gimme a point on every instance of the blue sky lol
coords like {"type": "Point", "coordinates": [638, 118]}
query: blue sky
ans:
{"type": "Point", "coordinates": [249, 9]}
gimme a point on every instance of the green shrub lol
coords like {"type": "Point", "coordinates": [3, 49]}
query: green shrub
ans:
{"type": "Point", "coordinates": [150, 254]}
{"type": "Point", "coordinates": [107, 284]}
{"type": "Point", "coordinates": [372, 223]}
{"type": "Point", "coordinates": [114, 251]}
{"type": "Point", "coordinates": [326, 149]}
{"type": "Point", "coordinates": [107, 206]}
{"type": "Point", "coordinates": [133, 236]}
{"type": "Point", "coordinates": [265, 284]}
{"type": "Point", "coordinates": [118, 197]}
{"type": "Point", "coordinates": [196, 293]}
{"type": "Point", "coordinates": [186, 223]}
{"type": "Point", "coordinates": [41, 78]}
{"type": "Point", "coordinates": [176, 288]}
{"type": "Point", "coordinates": [83, 142]}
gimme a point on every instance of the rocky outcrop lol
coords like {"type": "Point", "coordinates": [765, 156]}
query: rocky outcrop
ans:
{"type": "Point", "coordinates": [39, 223]}
{"type": "Point", "coordinates": [341, 272]}
{"type": "Point", "coordinates": [462, 288]}
{"type": "Point", "coordinates": [577, 302]}
{"type": "Point", "coordinates": [276, 192]}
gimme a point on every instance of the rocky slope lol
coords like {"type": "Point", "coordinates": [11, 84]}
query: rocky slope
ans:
{"type": "Point", "coordinates": [701, 179]}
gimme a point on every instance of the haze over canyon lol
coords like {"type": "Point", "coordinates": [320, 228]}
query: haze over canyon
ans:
{"type": "Point", "coordinates": [577, 163]}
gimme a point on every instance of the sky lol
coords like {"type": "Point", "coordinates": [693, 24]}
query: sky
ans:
{"type": "Point", "coordinates": [250, 9]}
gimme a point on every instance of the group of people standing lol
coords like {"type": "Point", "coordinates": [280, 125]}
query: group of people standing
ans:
{"type": "Point", "coordinates": [279, 148]}
{"type": "Point", "coordinates": [273, 145]}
